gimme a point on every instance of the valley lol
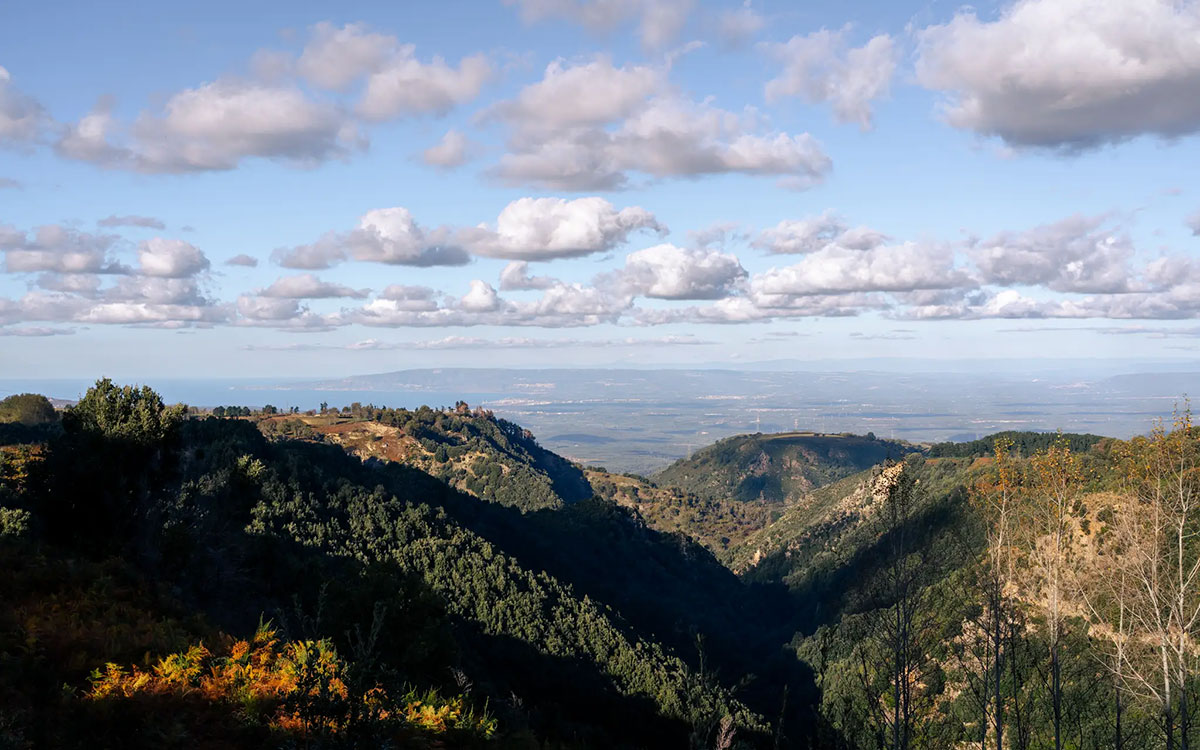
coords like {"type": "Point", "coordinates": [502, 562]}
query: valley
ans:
{"type": "Point", "coordinates": [744, 591]}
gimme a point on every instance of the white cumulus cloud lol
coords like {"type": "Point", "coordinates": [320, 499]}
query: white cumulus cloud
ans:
{"type": "Point", "coordinates": [1069, 74]}
{"type": "Point", "coordinates": [453, 150]}
{"type": "Point", "coordinates": [215, 127]}
{"type": "Point", "coordinates": [813, 233]}
{"type": "Point", "coordinates": [58, 249]}
{"type": "Point", "coordinates": [170, 258]}
{"type": "Point", "coordinates": [335, 58]}
{"type": "Point", "coordinates": [670, 272]}
{"type": "Point", "coordinates": [891, 268]}
{"type": "Point", "coordinates": [308, 286]}
{"type": "Point", "coordinates": [822, 67]}
{"type": "Point", "coordinates": [406, 86]}
{"type": "Point", "coordinates": [515, 276]}
{"type": "Point", "coordinates": [547, 228]}
{"type": "Point", "coordinates": [383, 235]}
{"type": "Point", "coordinates": [563, 135]}
{"type": "Point", "coordinates": [1076, 254]}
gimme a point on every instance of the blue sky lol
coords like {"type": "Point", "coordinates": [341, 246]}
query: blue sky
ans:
{"type": "Point", "coordinates": [683, 182]}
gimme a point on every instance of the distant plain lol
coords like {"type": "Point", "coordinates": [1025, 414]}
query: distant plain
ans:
{"type": "Point", "coordinates": [641, 420]}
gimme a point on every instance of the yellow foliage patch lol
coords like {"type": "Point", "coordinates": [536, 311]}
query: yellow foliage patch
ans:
{"type": "Point", "coordinates": [292, 686]}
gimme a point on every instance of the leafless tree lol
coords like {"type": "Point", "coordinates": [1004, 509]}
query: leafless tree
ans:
{"type": "Point", "coordinates": [1054, 488]}
{"type": "Point", "coordinates": [995, 498]}
{"type": "Point", "coordinates": [1159, 537]}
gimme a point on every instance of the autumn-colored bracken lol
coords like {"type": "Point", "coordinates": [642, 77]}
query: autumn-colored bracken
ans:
{"type": "Point", "coordinates": [298, 687]}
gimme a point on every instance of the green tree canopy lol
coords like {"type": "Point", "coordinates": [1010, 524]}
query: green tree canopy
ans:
{"type": "Point", "coordinates": [125, 412]}
{"type": "Point", "coordinates": [28, 409]}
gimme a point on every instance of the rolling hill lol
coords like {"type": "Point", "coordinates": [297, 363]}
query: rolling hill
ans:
{"type": "Point", "coordinates": [777, 468]}
{"type": "Point", "coordinates": [471, 450]}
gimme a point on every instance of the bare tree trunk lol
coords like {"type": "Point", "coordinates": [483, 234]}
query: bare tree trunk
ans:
{"type": "Point", "coordinates": [1020, 736]}
{"type": "Point", "coordinates": [1184, 720]}
{"type": "Point", "coordinates": [1056, 693]}
{"type": "Point", "coordinates": [995, 498]}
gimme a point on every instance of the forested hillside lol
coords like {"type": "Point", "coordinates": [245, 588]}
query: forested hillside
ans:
{"type": "Point", "coordinates": [1043, 600]}
{"type": "Point", "coordinates": [1020, 443]}
{"type": "Point", "coordinates": [719, 524]}
{"type": "Point", "coordinates": [367, 577]}
{"type": "Point", "coordinates": [378, 584]}
{"type": "Point", "coordinates": [777, 468]}
{"type": "Point", "coordinates": [472, 450]}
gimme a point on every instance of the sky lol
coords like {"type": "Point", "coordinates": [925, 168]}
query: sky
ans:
{"type": "Point", "coordinates": [290, 189]}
